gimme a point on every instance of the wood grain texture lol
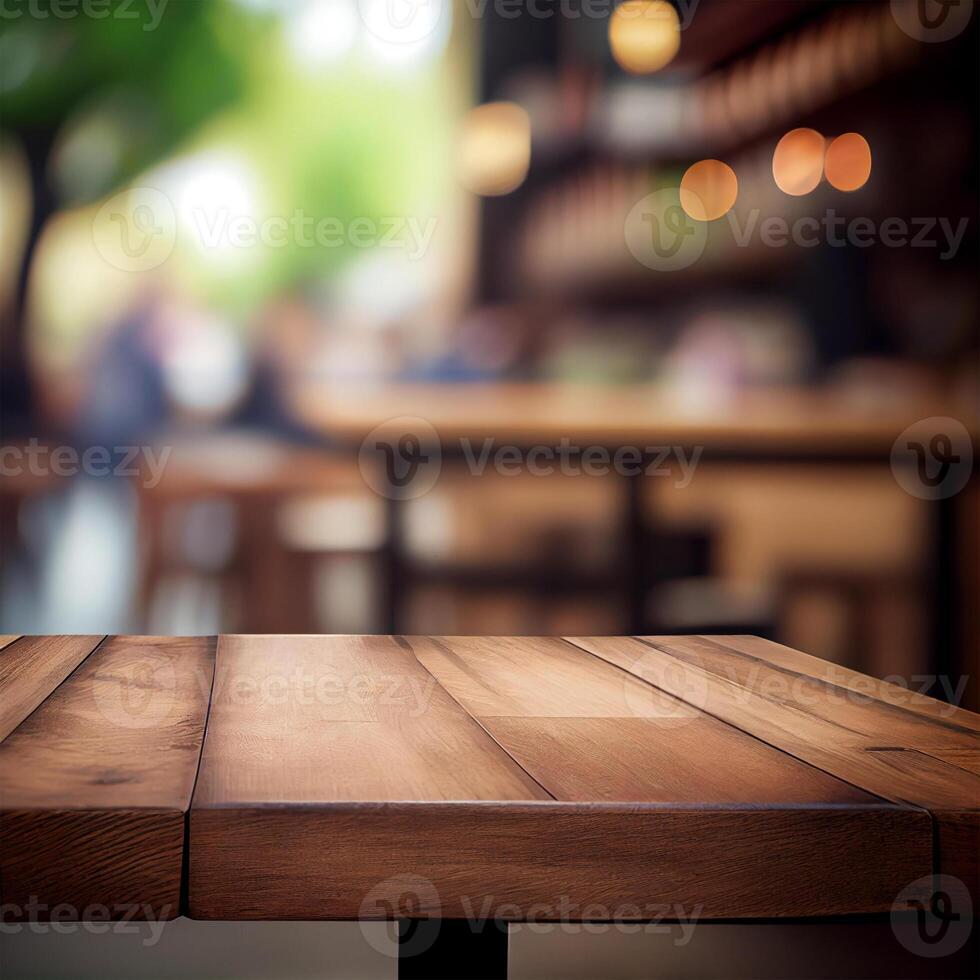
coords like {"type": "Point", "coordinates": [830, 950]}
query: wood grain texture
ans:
{"type": "Point", "coordinates": [341, 774]}
{"type": "Point", "coordinates": [883, 723]}
{"type": "Point", "coordinates": [954, 803]}
{"type": "Point", "coordinates": [917, 756]}
{"type": "Point", "coordinates": [346, 777]}
{"type": "Point", "coordinates": [312, 719]}
{"type": "Point", "coordinates": [549, 861]}
{"type": "Point", "coordinates": [838, 676]}
{"type": "Point", "coordinates": [537, 677]}
{"type": "Point", "coordinates": [7, 638]}
{"type": "Point", "coordinates": [95, 783]}
{"type": "Point", "coordinates": [640, 760]}
{"type": "Point", "coordinates": [588, 731]}
{"type": "Point", "coordinates": [826, 728]}
{"type": "Point", "coordinates": [31, 668]}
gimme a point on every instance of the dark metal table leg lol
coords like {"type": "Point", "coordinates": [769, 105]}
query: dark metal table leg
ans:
{"type": "Point", "coordinates": [393, 567]}
{"type": "Point", "coordinates": [944, 605]}
{"type": "Point", "coordinates": [636, 565]}
{"type": "Point", "coordinates": [451, 949]}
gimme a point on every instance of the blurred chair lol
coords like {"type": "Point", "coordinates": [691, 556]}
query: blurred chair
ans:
{"type": "Point", "coordinates": [249, 516]}
{"type": "Point", "coordinates": [514, 554]}
{"type": "Point", "coordinates": [826, 549]}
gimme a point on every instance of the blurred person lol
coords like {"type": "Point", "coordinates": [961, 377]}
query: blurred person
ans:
{"type": "Point", "coordinates": [288, 337]}
{"type": "Point", "coordinates": [490, 343]}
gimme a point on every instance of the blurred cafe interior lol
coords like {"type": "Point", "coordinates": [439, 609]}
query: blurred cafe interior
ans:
{"type": "Point", "coordinates": [733, 240]}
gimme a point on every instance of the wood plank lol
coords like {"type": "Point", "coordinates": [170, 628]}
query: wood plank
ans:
{"type": "Point", "coordinates": [32, 668]}
{"type": "Point", "coordinates": [333, 718]}
{"type": "Point", "coordinates": [950, 787]}
{"type": "Point", "coordinates": [553, 861]}
{"type": "Point", "coordinates": [538, 677]}
{"type": "Point", "coordinates": [955, 809]}
{"type": "Point", "coordinates": [850, 739]}
{"type": "Point", "coordinates": [968, 759]}
{"type": "Point", "coordinates": [588, 731]}
{"type": "Point", "coordinates": [94, 784]}
{"type": "Point", "coordinates": [883, 723]}
{"type": "Point", "coordinates": [644, 760]}
{"type": "Point", "coordinates": [7, 638]}
{"type": "Point", "coordinates": [353, 803]}
{"type": "Point", "coordinates": [774, 713]}
{"type": "Point", "coordinates": [839, 676]}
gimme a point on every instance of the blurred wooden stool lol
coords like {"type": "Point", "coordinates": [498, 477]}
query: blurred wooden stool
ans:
{"type": "Point", "coordinates": [218, 506]}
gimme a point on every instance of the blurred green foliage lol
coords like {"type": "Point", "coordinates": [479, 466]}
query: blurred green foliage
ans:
{"type": "Point", "coordinates": [179, 77]}
{"type": "Point", "coordinates": [169, 57]}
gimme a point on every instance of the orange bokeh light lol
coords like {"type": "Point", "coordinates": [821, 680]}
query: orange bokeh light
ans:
{"type": "Point", "coordinates": [848, 162]}
{"type": "Point", "coordinates": [644, 35]}
{"type": "Point", "coordinates": [797, 164]}
{"type": "Point", "coordinates": [709, 189]}
{"type": "Point", "coordinates": [494, 149]}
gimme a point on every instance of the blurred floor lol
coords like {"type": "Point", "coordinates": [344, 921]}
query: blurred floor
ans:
{"type": "Point", "coordinates": [367, 951]}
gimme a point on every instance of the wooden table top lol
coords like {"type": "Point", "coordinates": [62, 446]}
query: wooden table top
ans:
{"type": "Point", "coordinates": [796, 421]}
{"type": "Point", "coordinates": [329, 777]}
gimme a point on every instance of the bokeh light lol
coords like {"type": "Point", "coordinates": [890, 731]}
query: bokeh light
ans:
{"type": "Point", "coordinates": [848, 162]}
{"type": "Point", "coordinates": [320, 32]}
{"type": "Point", "coordinates": [797, 164]}
{"type": "Point", "coordinates": [709, 189]}
{"type": "Point", "coordinates": [644, 35]}
{"type": "Point", "coordinates": [494, 150]}
{"type": "Point", "coordinates": [211, 193]}
{"type": "Point", "coordinates": [405, 35]}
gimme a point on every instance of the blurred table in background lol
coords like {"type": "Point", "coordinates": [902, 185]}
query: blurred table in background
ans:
{"type": "Point", "coordinates": [829, 428]}
{"type": "Point", "coordinates": [782, 422]}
